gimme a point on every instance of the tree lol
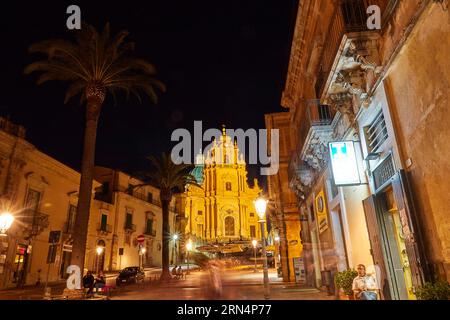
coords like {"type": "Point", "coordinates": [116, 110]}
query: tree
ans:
{"type": "Point", "coordinates": [170, 178]}
{"type": "Point", "coordinates": [94, 65]}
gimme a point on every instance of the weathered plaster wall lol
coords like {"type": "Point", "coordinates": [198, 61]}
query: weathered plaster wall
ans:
{"type": "Point", "coordinates": [419, 92]}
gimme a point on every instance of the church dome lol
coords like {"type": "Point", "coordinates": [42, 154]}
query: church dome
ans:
{"type": "Point", "coordinates": [197, 172]}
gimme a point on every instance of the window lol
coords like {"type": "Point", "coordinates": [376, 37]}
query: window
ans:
{"type": "Point", "coordinates": [252, 214]}
{"type": "Point", "coordinates": [229, 226]}
{"type": "Point", "coordinates": [129, 221]}
{"type": "Point", "coordinates": [252, 232]}
{"type": "Point", "coordinates": [104, 222]}
{"type": "Point", "coordinates": [200, 230]}
{"type": "Point", "coordinates": [376, 133]}
{"type": "Point", "coordinates": [149, 226]}
{"type": "Point", "coordinates": [71, 218]}
{"type": "Point", "coordinates": [150, 197]}
{"type": "Point", "coordinates": [200, 212]}
{"type": "Point", "coordinates": [228, 186]}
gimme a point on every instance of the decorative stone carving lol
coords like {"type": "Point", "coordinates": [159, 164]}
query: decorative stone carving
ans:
{"type": "Point", "coordinates": [343, 102]}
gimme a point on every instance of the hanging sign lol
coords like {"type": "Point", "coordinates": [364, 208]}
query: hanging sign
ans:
{"type": "Point", "coordinates": [343, 163]}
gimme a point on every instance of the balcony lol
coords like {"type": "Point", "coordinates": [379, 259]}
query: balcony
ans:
{"type": "Point", "coordinates": [348, 21]}
{"type": "Point", "coordinates": [151, 233]}
{"type": "Point", "coordinates": [144, 197]}
{"type": "Point", "coordinates": [33, 222]}
{"type": "Point", "coordinates": [318, 121]}
{"type": "Point", "coordinates": [130, 227]}
{"type": "Point", "coordinates": [104, 228]}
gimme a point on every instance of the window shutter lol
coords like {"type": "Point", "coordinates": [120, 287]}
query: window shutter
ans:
{"type": "Point", "coordinates": [375, 244]}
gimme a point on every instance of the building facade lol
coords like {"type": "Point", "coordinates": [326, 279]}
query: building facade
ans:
{"type": "Point", "coordinates": [222, 209]}
{"type": "Point", "coordinates": [41, 193]}
{"type": "Point", "coordinates": [382, 94]}
{"type": "Point", "coordinates": [284, 209]}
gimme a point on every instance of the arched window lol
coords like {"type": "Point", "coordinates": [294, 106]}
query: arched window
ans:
{"type": "Point", "coordinates": [229, 226]}
{"type": "Point", "coordinates": [228, 186]}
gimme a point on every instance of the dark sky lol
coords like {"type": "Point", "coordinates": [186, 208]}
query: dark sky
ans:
{"type": "Point", "coordinates": [224, 62]}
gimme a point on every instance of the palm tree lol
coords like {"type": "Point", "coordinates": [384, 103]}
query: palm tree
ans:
{"type": "Point", "coordinates": [170, 178]}
{"type": "Point", "coordinates": [94, 64]}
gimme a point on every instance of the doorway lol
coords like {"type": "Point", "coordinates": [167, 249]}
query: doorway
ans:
{"type": "Point", "coordinates": [393, 240]}
{"type": "Point", "coordinates": [339, 239]}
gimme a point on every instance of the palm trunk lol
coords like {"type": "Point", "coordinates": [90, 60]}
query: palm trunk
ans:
{"type": "Point", "coordinates": [165, 275]}
{"type": "Point", "coordinates": [85, 191]}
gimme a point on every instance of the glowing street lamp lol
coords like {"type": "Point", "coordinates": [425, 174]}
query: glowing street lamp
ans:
{"type": "Point", "coordinates": [255, 243]}
{"type": "Point", "coordinates": [188, 248]}
{"type": "Point", "coordinates": [260, 206]}
{"type": "Point", "coordinates": [99, 252]}
{"type": "Point", "coordinates": [175, 237]}
{"type": "Point", "coordinates": [6, 220]}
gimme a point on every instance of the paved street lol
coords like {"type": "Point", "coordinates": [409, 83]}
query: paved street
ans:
{"type": "Point", "coordinates": [236, 285]}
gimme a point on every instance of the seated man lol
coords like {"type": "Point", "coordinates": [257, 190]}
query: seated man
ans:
{"type": "Point", "coordinates": [174, 272]}
{"type": "Point", "coordinates": [88, 282]}
{"type": "Point", "coordinates": [100, 281]}
{"type": "Point", "coordinates": [364, 286]}
{"type": "Point", "coordinates": [180, 273]}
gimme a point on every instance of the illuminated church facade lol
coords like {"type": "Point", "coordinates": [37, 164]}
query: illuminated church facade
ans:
{"type": "Point", "coordinates": [222, 210]}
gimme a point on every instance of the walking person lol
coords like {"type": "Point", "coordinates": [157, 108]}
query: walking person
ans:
{"type": "Point", "coordinates": [364, 285]}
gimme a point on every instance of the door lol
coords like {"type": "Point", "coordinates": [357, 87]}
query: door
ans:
{"type": "Point", "coordinates": [410, 225]}
{"type": "Point", "coordinates": [373, 228]}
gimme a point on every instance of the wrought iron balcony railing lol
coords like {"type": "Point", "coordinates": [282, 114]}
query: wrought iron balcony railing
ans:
{"type": "Point", "coordinates": [130, 227]}
{"type": "Point", "coordinates": [107, 228]}
{"type": "Point", "coordinates": [150, 232]}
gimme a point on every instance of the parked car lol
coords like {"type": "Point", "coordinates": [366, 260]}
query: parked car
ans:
{"type": "Point", "coordinates": [130, 275]}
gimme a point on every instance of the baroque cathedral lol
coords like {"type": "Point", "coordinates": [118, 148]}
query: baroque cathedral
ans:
{"type": "Point", "coordinates": [222, 211]}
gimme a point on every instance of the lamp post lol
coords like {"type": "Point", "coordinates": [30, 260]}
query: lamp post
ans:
{"type": "Point", "coordinates": [188, 248]}
{"type": "Point", "coordinates": [277, 242]}
{"type": "Point", "coordinates": [99, 252]}
{"type": "Point", "coordinates": [255, 243]}
{"type": "Point", "coordinates": [260, 206]}
{"type": "Point", "coordinates": [175, 238]}
{"type": "Point", "coordinates": [142, 251]}
{"type": "Point", "coordinates": [6, 220]}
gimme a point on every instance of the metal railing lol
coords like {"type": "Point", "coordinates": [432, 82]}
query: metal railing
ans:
{"type": "Point", "coordinates": [150, 232]}
{"type": "Point", "coordinates": [104, 228]}
{"type": "Point", "coordinates": [129, 227]}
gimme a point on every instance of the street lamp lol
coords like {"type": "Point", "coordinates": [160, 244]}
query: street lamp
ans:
{"type": "Point", "coordinates": [174, 251]}
{"type": "Point", "coordinates": [260, 206]}
{"type": "Point", "coordinates": [99, 252]}
{"type": "Point", "coordinates": [188, 248]}
{"type": "Point", "coordinates": [6, 220]}
{"type": "Point", "coordinates": [255, 243]}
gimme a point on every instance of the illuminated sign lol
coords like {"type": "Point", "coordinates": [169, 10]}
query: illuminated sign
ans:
{"type": "Point", "coordinates": [343, 163]}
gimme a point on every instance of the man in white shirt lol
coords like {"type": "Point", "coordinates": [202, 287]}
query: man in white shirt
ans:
{"type": "Point", "coordinates": [364, 286]}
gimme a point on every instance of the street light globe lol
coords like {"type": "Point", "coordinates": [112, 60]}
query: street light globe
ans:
{"type": "Point", "coordinates": [189, 245]}
{"type": "Point", "coordinates": [6, 220]}
{"type": "Point", "coordinates": [175, 237]}
{"type": "Point", "coordinates": [143, 250]}
{"type": "Point", "coordinates": [99, 250]}
{"type": "Point", "coordinates": [260, 206]}
{"type": "Point", "coordinates": [277, 238]}
{"type": "Point", "coordinates": [254, 243]}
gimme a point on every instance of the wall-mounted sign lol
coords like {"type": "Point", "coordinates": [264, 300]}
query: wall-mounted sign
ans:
{"type": "Point", "coordinates": [343, 163]}
{"type": "Point", "coordinates": [299, 269]}
{"type": "Point", "coordinates": [321, 209]}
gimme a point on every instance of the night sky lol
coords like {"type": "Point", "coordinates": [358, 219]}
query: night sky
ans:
{"type": "Point", "coordinates": [223, 62]}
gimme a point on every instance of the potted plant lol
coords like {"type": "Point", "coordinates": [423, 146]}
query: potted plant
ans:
{"type": "Point", "coordinates": [344, 281]}
{"type": "Point", "coordinates": [439, 290]}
